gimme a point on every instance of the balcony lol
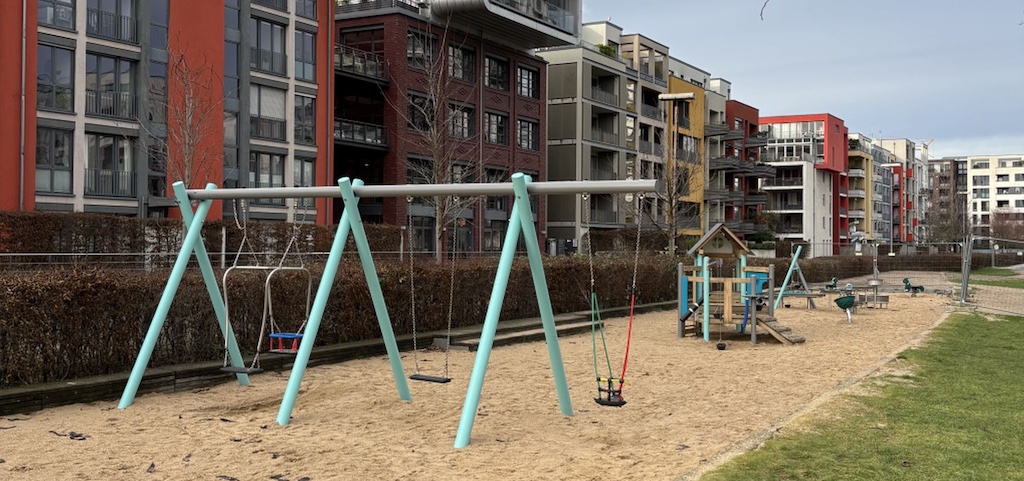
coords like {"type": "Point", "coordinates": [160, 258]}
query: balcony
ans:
{"type": "Point", "coordinates": [650, 111]}
{"type": "Point", "coordinates": [267, 61]}
{"type": "Point", "coordinates": [759, 140]}
{"type": "Point", "coordinates": [687, 156]}
{"type": "Point", "coordinates": [857, 173]}
{"type": "Point", "coordinates": [267, 128]}
{"type": "Point", "coordinates": [659, 82]}
{"type": "Point", "coordinates": [784, 183]}
{"type": "Point", "coordinates": [603, 216]}
{"type": "Point", "coordinates": [106, 103]}
{"type": "Point", "coordinates": [598, 135]}
{"type": "Point", "coordinates": [110, 183]}
{"type": "Point", "coordinates": [729, 164]}
{"type": "Point", "coordinates": [788, 206]}
{"type": "Point", "coordinates": [361, 64]}
{"type": "Point", "coordinates": [683, 122]}
{"type": "Point", "coordinates": [646, 76]}
{"type": "Point", "coordinates": [360, 134]}
{"type": "Point", "coordinates": [646, 147]}
{"type": "Point", "coordinates": [857, 214]}
{"type": "Point", "coordinates": [716, 193]}
{"type": "Point", "coordinates": [714, 129]}
{"type": "Point", "coordinates": [659, 150]}
{"type": "Point", "coordinates": [597, 173]}
{"type": "Point", "coordinates": [755, 198]}
{"type": "Point", "coordinates": [732, 134]}
{"type": "Point", "coordinates": [529, 23]}
{"type": "Point", "coordinates": [609, 98]}
{"type": "Point", "coordinates": [858, 194]}
{"type": "Point", "coordinates": [789, 229]}
{"type": "Point", "coordinates": [843, 192]}
{"type": "Point", "coordinates": [112, 26]}
{"type": "Point", "coordinates": [895, 186]}
{"type": "Point", "coordinates": [842, 212]}
{"type": "Point", "coordinates": [280, 5]}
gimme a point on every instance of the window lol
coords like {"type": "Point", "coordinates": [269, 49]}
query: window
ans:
{"type": "Point", "coordinates": [109, 86]}
{"type": "Point", "coordinates": [266, 112]}
{"type": "Point", "coordinates": [494, 234]}
{"type": "Point", "coordinates": [422, 235]}
{"type": "Point", "coordinates": [499, 203]}
{"type": "Point", "coordinates": [305, 56]}
{"type": "Point", "coordinates": [1003, 178]}
{"type": "Point", "coordinates": [281, 5]}
{"type": "Point", "coordinates": [305, 120]}
{"type": "Point", "coordinates": [156, 153]}
{"type": "Point", "coordinates": [158, 13]}
{"type": "Point", "coordinates": [421, 112]}
{"type": "Point", "coordinates": [157, 106]}
{"type": "Point", "coordinates": [1018, 177]}
{"type": "Point", "coordinates": [1017, 203]}
{"type": "Point", "coordinates": [497, 128]}
{"type": "Point", "coordinates": [461, 63]}
{"type": "Point", "coordinates": [460, 121]}
{"type": "Point", "coordinates": [110, 170]}
{"type": "Point", "coordinates": [266, 170]}
{"type": "Point", "coordinates": [231, 70]}
{"type": "Point", "coordinates": [979, 180]}
{"type": "Point", "coordinates": [366, 40]}
{"type": "Point", "coordinates": [529, 82]}
{"type": "Point", "coordinates": [419, 49]}
{"type": "Point", "coordinates": [230, 129]}
{"type": "Point", "coordinates": [528, 134]}
{"type": "Point", "coordinates": [112, 19]}
{"type": "Point", "coordinates": [496, 73]}
{"type": "Point", "coordinates": [303, 176]}
{"type": "Point", "coordinates": [984, 205]}
{"type": "Point", "coordinates": [267, 46]}
{"type": "Point", "coordinates": [231, 15]}
{"type": "Point", "coordinates": [55, 78]}
{"type": "Point", "coordinates": [306, 8]}
{"type": "Point", "coordinates": [54, 150]}
{"type": "Point", "coordinates": [57, 13]}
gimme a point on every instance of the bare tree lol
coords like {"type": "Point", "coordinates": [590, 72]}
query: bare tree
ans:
{"type": "Point", "coordinates": [1007, 224]}
{"type": "Point", "coordinates": [678, 205]}
{"type": "Point", "coordinates": [184, 119]}
{"type": "Point", "coordinates": [443, 128]}
{"type": "Point", "coordinates": [946, 219]}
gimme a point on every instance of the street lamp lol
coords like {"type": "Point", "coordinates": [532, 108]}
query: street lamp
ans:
{"type": "Point", "coordinates": [670, 163]}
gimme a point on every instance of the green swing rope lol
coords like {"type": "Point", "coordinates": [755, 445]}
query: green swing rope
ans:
{"type": "Point", "coordinates": [595, 310]}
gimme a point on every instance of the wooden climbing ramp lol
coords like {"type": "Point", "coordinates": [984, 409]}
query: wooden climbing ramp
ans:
{"type": "Point", "coordinates": [781, 332]}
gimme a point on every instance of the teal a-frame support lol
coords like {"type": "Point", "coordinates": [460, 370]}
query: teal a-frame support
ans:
{"type": "Point", "coordinates": [521, 221]}
{"type": "Point", "coordinates": [350, 222]}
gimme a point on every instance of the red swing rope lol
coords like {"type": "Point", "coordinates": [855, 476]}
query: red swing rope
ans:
{"type": "Point", "coordinates": [632, 300]}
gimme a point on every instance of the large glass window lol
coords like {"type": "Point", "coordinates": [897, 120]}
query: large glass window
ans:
{"type": "Point", "coordinates": [267, 46]}
{"type": "Point", "coordinates": [109, 86]}
{"type": "Point", "coordinates": [461, 63]}
{"type": "Point", "coordinates": [528, 131]}
{"type": "Point", "coordinates": [496, 73]}
{"type": "Point", "coordinates": [231, 70]}
{"type": "Point", "coordinates": [266, 170]}
{"type": "Point", "coordinates": [303, 176]}
{"type": "Point", "coordinates": [55, 79]}
{"type": "Point", "coordinates": [110, 170]}
{"type": "Point", "coordinates": [366, 40]}
{"type": "Point", "coordinates": [528, 82]}
{"type": "Point", "coordinates": [306, 8]}
{"type": "Point", "coordinates": [232, 17]}
{"type": "Point", "coordinates": [157, 113]}
{"type": "Point", "coordinates": [266, 112]}
{"type": "Point", "coordinates": [497, 128]}
{"type": "Point", "coordinates": [460, 121]}
{"type": "Point", "coordinates": [419, 49]}
{"type": "Point", "coordinates": [498, 202]}
{"type": "Point", "coordinates": [421, 112]}
{"type": "Point", "coordinates": [494, 234]}
{"type": "Point", "coordinates": [305, 56]}
{"type": "Point", "coordinates": [112, 19]}
{"type": "Point", "coordinates": [305, 120]}
{"type": "Point", "coordinates": [158, 13]}
{"type": "Point", "coordinates": [57, 13]}
{"type": "Point", "coordinates": [54, 159]}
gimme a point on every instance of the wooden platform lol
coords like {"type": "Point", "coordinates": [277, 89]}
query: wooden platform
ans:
{"type": "Point", "coordinates": [781, 332]}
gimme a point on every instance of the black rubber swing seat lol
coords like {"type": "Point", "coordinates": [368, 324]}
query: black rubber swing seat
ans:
{"type": "Point", "coordinates": [609, 396]}
{"type": "Point", "coordinates": [424, 377]}
{"type": "Point", "coordinates": [241, 370]}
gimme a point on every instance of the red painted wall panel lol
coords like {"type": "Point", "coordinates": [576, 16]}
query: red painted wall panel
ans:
{"type": "Point", "coordinates": [10, 104]}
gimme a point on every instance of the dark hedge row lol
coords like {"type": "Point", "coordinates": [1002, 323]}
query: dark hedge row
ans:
{"type": "Point", "coordinates": [72, 323]}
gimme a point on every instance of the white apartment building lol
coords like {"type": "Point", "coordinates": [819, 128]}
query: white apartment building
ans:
{"type": "Point", "coordinates": [995, 186]}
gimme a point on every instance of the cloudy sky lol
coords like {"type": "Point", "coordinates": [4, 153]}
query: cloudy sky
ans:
{"type": "Point", "coordinates": [948, 70]}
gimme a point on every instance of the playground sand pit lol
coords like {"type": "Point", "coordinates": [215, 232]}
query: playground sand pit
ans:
{"type": "Point", "coordinates": [687, 404]}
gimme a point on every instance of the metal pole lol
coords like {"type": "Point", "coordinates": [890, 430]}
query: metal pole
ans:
{"type": "Point", "coordinates": [706, 295]}
{"type": "Point", "coordinates": [426, 190]}
{"type": "Point", "coordinates": [789, 275]}
{"type": "Point", "coordinates": [146, 351]}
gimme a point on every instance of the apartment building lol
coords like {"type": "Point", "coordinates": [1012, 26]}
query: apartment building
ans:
{"type": "Point", "coordinates": [860, 174]}
{"type": "Point", "coordinates": [947, 216]}
{"type": "Point", "coordinates": [591, 130]}
{"type": "Point", "coordinates": [733, 194]}
{"type": "Point", "coordinates": [107, 87]}
{"type": "Point", "coordinates": [810, 190]}
{"type": "Point", "coordinates": [995, 186]}
{"type": "Point", "coordinates": [881, 191]}
{"type": "Point", "coordinates": [687, 143]}
{"type": "Point", "coordinates": [446, 92]}
{"type": "Point", "coordinates": [910, 179]}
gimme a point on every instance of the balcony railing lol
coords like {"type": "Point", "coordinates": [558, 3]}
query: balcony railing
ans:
{"type": "Point", "coordinates": [659, 82]}
{"type": "Point", "coordinates": [859, 173]}
{"type": "Point", "coordinates": [712, 129]}
{"type": "Point", "coordinates": [789, 229]}
{"type": "Point", "coordinates": [755, 199]}
{"type": "Point", "coordinates": [350, 7]}
{"type": "Point", "coordinates": [267, 128]}
{"type": "Point", "coordinates": [358, 62]}
{"type": "Point", "coordinates": [599, 135]}
{"type": "Point", "coordinates": [604, 97]}
{"type": "Point", "coordinates": [659, 150]}
{"type": "Point", "coordinates": [842, 212]}
{"type": "Point", "coordinates": [784, 182]}
{"type": "Point", "coordinates": [646, 147]}
{"type": "Point", "coordinates": [597, 173]}
{"type": "Point", "coordinates": [687, 156]}
{"type": "Point", "coordinates": [857, 214]}
{"type": "Point", "coordinates": [843, 191]}
{"type": "Point", "coordinates": [119, 105]}
{"type": "Point", "coordinates": [858, 193]}
{"type": "Point", "coordinates": [544, 12]}
{"type": "Point", "coordinates": [683, 122]}
{"type": "Point", "coordinates": [756, 141]}
{"type": "Point", "coordinates": [113, 183]}
{"type": "Point", "coordinates": [281, 5]}
{"type": "Point", "coordinates": [110, 25]}
{"type": "Point", "coordinates": [267, 61]}
{"type": "Point", "coordinates": [789, 206]}
{"type": "Point", "coordinates": [646, 76]}
{"type": "Point", "coordinates": [604, 216]}
{"type": "Point", "coordinates": [651, 111]}
{"type": "Point", "coordinates": [360, 132]}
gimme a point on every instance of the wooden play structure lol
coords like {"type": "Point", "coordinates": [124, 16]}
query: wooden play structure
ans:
{"type": "Point", "coordinates": [727, 304]}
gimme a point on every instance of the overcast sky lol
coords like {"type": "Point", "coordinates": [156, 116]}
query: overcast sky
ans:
{"type": "Point", "coordinates": [948, 70]}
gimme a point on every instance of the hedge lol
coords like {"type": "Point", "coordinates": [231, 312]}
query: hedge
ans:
{"type": "Point", "coordinates": [62, 324]}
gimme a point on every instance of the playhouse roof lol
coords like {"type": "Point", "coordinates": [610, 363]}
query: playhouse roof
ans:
{"type": "Point", "coordinates": [738, 247]}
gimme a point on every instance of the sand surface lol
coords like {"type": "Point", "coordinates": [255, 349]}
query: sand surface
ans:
{"type": "Point", "coordinates": [687, 403]}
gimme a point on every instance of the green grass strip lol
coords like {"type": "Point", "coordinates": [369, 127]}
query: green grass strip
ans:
{"type": "Point", "coordinates": [994, 271]}
{"type": "Point", "coordinates": [1014, 283]}
{"type": "Point", "coordinates": [960, 417]}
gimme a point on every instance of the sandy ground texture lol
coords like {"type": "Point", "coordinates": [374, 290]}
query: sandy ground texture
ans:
{"type": "Point", "coordinates": [687, 404]}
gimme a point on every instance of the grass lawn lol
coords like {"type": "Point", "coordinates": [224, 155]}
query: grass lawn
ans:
{"type": "Point", "coordinates": [1014, 283]}
{"type": "Point", "coordinates": [959, 417]}
{"type": "Point", "coordinates": [994, 271]}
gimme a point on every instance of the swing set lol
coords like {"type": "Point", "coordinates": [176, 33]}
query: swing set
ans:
{"type": "Point", "coordinates": [520, 222]}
